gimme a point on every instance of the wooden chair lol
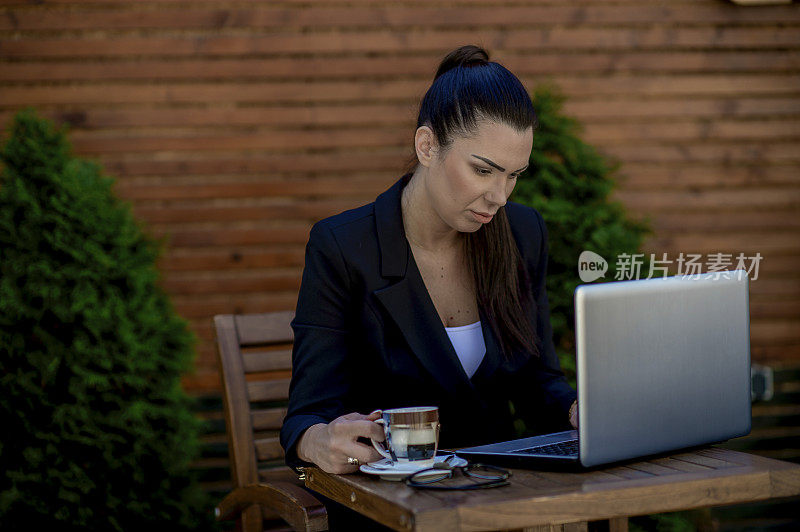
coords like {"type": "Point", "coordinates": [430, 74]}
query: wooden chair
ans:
{"type": "Point", "coordinates": [255, 363]}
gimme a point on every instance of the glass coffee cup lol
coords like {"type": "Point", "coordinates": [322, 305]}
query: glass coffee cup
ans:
{"type": "Point", "coordinates": [412, 435]}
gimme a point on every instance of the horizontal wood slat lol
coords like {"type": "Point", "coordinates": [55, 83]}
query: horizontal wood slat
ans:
{"type": "Point", "coordinates": [273, 140]}
{"type": "Point", "coordinates": [230, 259]}
{"type": "Point", "coordinates": [238, 285]}
{"type": "Point", "coordinates": [769, 198]}
{"type": "Point", "coordinates": [279, 473]}
{"type": "Point", "coordinates": [268, 361]}
{"type": "Point", "coordinates": [741, 242]}
{"type": "Point", "coordinates": [294, 187]}
{"type": "Point", "coordinates": [787, 220]}
{"type": "Point", "coordinates": [698, 176]}
{"type": "Point", "coordinates": [622, 110]}
{"type": "Point", "coordinates": [706, 152]}
{"type": "Point", "coordinates": [269, 68]}
{"type": "Point", "coordinates": [260, 330]}
{"type": "Point", "coordinates": [268, 449]}
{"type": "Point", "coordinates": [775, 332]}
{"type": "Point", "coordinates": [588, 110]}
{"type": "Point", "coordinates": [315, 209]}
{"type": "Point", "coordinates": [209, 305]}
{"type": "Point", "coordinates": [91, 143]}
{"type": "Point", "coordinates": [226, 237]}
{"type": "Point", "coordinates": [405, 90]}
{"type": "Point", "coordinates": [371, 115]}
{"type": "Point", "coordinates": [268, 390]}
{"type": "Point", "coordinates": [391, 15]}
{"type": "Point", "coordinates": [600, 134]}
{"type": "Point", "coordinates": [342, 163]}
{"type": "Point", "coordinates": [268, 419]}
{"type": "Point", "coordinates": [411, 41]}
{"type": "Point", "coordinates": [721, 129]}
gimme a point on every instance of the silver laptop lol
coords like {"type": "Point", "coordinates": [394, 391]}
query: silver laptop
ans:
{"type": "Point", "coordinates": [662, 364]}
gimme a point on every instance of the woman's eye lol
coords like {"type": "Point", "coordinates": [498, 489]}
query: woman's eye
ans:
{"type": "Point", "coordinates": [482, 171]}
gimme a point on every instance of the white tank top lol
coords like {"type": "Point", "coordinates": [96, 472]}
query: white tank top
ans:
{"type": "Point", "coordinates": [468, 342]}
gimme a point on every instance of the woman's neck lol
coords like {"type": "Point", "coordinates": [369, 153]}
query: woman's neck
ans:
{"type": "Point", "coordinates": [423, 227]}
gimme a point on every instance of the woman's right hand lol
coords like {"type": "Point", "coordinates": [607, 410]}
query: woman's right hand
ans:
{"type": "Point", "coordinates": [330, 445]}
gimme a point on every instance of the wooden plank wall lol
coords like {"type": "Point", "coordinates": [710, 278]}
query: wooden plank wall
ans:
{"type": "Point", "coordinates": [232, 126]}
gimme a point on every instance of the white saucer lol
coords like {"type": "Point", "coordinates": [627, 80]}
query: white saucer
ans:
{"type": "Point", "coordinates": [389, 470]}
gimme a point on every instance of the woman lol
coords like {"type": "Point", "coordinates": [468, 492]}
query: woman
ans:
{"type": "Point", "coordinates": [435, 293]}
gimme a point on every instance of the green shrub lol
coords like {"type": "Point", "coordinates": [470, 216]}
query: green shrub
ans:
{"type": "Point", "coordinates": [98, 434]}
{"type": "Point", "coordinates": [569, 182]}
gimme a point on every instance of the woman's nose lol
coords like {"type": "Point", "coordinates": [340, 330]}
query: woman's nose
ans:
{"type": "Point", "coordinates": [497, 193]}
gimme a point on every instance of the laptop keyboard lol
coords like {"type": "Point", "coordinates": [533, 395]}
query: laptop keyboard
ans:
{"type": "Point", "coordinates": [563, 448]}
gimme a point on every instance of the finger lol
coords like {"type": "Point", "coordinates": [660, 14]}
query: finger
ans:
{"type": "Point", "coordinates": [360, 429]}
{"type": "Point", "coordinates": [573, 419]}
{"type": "Point", "coordinates": [355, 416]}
{"type": "Point", "coordinates": [352, 416]}
{"type": "Point", "coordinates": [370, 429]}
{"type": "Point", "coordinates": [364, 453]}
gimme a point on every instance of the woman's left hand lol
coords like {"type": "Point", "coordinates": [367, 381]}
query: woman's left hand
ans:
{"type": "Point", "coordinates": [573, 415]}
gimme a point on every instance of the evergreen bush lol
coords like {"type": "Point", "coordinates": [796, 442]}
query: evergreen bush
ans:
{"type": "Point", "coordinates": [98, 434]}
{"type": "Point", "coordinates": [569, 182]}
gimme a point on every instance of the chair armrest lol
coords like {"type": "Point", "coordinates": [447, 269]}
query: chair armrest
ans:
{"type": "Point", "coordinates": [295, 505]}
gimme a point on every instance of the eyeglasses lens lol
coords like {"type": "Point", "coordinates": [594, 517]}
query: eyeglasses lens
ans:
{"type": "Point", "coordinates": [430, 477]}
{"type": "Point", "coordinates": [485, 472]}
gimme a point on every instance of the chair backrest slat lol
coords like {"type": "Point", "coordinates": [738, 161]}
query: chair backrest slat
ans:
{"type": "Point", "coordinates": [268, 418]}
{"type": "Point", "coordinates": [265, 329]}
{"type": "Point", "coordinates": [268, 390]}
{"type": "Point", "coordinates": [269, 448]}
{"type": "Point", "coordinates": [278, 360]}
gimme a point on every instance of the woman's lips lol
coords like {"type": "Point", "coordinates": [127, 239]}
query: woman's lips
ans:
{"type": "Point", "coordinates": [482, 217]}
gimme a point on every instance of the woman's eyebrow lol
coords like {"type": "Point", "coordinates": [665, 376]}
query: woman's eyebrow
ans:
{"type": "Point", "coordinates": [492, 163]}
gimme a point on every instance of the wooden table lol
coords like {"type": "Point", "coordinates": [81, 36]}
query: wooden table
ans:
{"type": "Point", "coordinates": [550, 501]}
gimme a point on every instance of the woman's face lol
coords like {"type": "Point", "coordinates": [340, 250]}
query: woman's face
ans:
{"type": "Point", "coordinates": [476, 174]}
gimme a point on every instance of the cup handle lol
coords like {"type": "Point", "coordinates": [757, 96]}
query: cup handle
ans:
{"type": "Point", "coordinates": [379, 446]}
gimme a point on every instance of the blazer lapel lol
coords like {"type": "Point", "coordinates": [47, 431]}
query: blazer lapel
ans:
{"type": "Point", "coordinates": [407, 299]}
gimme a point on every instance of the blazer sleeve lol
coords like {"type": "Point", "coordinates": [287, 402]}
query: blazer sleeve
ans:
{"type": "Point", "coordinates": [320, 372]}
{"type": "Point", "coordinates": [545, 370]}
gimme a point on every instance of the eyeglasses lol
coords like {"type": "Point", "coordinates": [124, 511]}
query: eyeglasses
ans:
{"type": "Point", "coordinates": [479, 476]}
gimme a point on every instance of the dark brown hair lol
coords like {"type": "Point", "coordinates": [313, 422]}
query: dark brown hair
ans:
{"type": "Point", "coordinates": [467, 89]}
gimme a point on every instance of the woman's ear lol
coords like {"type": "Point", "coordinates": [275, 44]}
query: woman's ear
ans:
{"type": "Point", "coordinates": [425, 145]}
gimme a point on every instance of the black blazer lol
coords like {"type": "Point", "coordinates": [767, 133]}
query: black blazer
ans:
{"type": "Point", "coordinates": [367, 336]}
